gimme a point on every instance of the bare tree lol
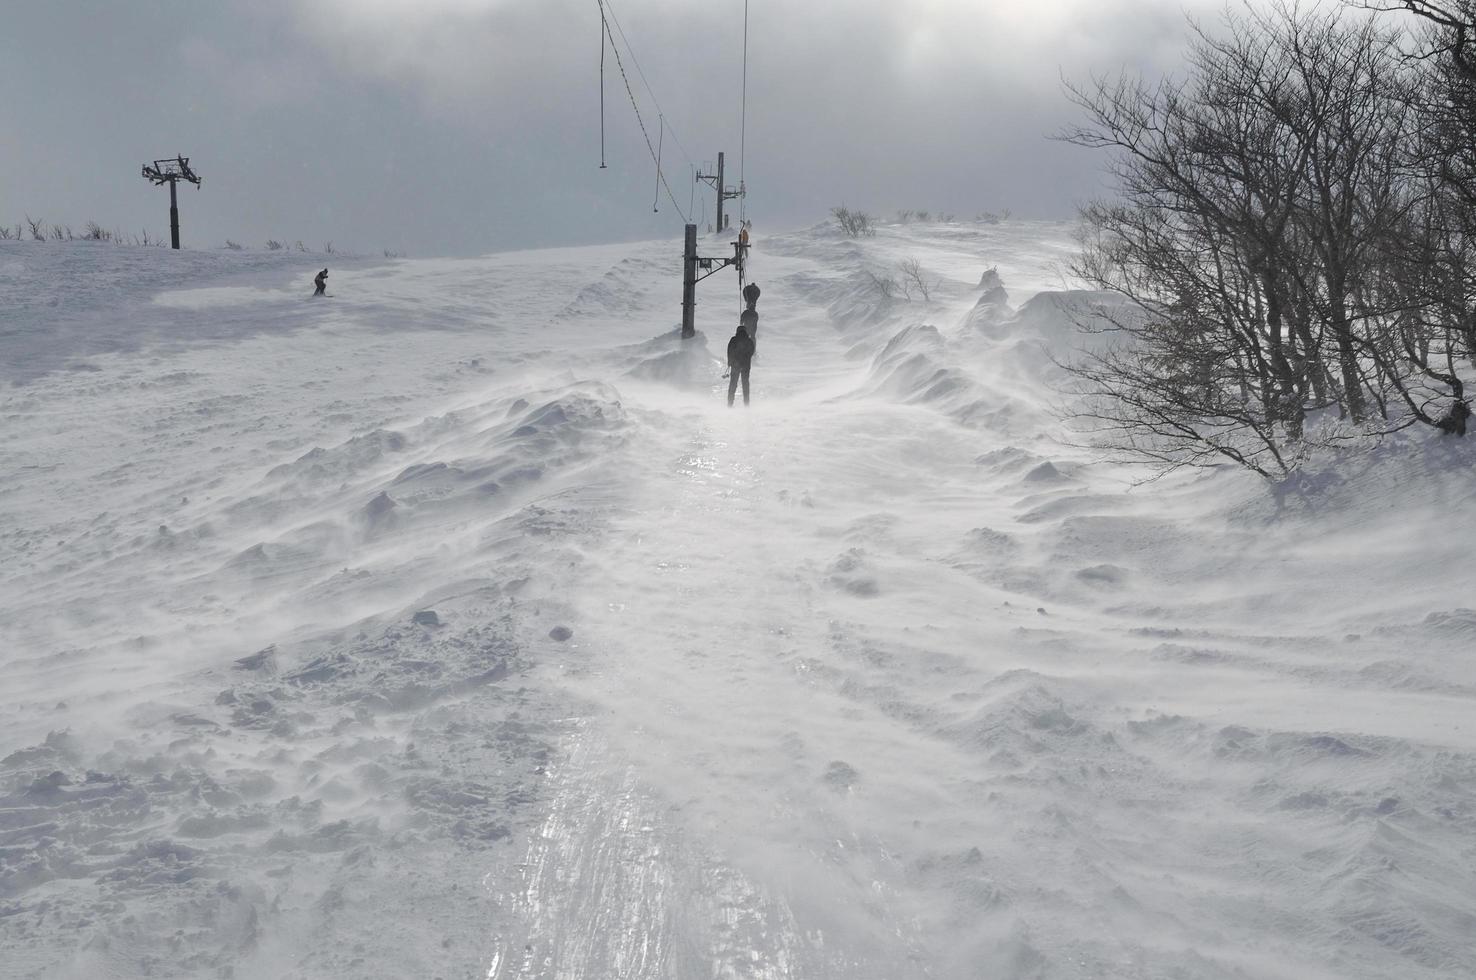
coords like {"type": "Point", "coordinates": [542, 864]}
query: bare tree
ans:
{"type": "Point", "coordinates": [913, 278]}
{"type": "Point", "coordinates": [1454, 24]}
{"type": "Point", "coordinates": [1432, 254]}
{"type": "Point", "coordinates": [1257, 199]}
{"type": "Point", "coordinates": [857, 224]}
{"type": "Point", "coordinates": [886, 285]}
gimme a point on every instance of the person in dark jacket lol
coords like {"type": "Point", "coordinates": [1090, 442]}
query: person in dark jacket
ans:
{"type": "Point", "coordinates": [321, 281]}
{"type": "Point", "coordinates": [749, 317]}
{"type": "Point", "coordinates": [740, 360]}
{"type": "Point", "coordinates": [748, 320]}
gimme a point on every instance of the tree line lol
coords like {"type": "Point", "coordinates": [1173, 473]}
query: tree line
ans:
{"type": "Point", "coordinates": [1292, 233]}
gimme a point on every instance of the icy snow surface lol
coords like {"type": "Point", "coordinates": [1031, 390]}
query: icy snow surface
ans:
{"type": "Point", "coordinates": [453, 626]}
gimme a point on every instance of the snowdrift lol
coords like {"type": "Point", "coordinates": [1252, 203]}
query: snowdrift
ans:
{"type": "Point", "coordinates": [464, 591]}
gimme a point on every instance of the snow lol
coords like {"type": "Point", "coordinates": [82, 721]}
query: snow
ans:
{"type": "Point", "coordinates": [454, 626]}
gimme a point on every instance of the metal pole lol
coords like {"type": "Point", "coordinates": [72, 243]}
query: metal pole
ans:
{"type": "Point", "coordinates": [173, 217]}
{"type": "Point", "coordinates": [720, 193]}
{"type": "Point", "coordinates": [689, 284]}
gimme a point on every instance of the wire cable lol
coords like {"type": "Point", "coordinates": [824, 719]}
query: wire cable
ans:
{"type": "Point", "coordinates": [660, 138]}
{"type": "Point", "coordinates": [602, 86]}
{"type": "Point", "coordinates": [743, 125]}
{"type": "Point", "coordinates": [606, 5]}
{"type": "Point", "coordinates": [633, 104]}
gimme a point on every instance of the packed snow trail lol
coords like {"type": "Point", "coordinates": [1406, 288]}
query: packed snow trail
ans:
{"type": "Point", "coordinates": [458, 628]}
{"type": "Point", "coordinates": [842, 716]}
{"type": "Point", "coordinates": [701, 606]}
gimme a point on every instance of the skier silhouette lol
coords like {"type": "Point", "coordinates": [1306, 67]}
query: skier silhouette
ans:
{"type": "Point", "coordinates": [748, 319]}
{"type": "Point", "coordinates": [740, 360]}
{"type": "Point", "coordinates": [321, 281]}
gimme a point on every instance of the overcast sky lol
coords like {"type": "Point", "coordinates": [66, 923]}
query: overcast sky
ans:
{"type": "Point", "coordinates": [454, 127]}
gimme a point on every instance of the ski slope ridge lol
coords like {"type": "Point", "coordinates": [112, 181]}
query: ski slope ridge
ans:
{"type": "Point", "coordinates": [454, 626]}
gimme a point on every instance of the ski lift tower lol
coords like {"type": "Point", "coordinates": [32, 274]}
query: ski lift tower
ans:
{"type": "Point", "coordinates": [691, 263]}
{"type": "Point", "coordinates": [723, 193]}
{"type": "Point", "coordinates": [171, 172]}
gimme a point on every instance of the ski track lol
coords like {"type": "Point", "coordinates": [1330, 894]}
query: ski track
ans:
{"type": "Point", "coordinates": [455, 627]}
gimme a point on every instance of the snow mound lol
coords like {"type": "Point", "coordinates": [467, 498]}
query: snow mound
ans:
{"type": "Point", "coordinates": [860, 301]}
{"type": "Point", "coordinates": [993, 307]}
{"type": "Point", "coordinates": [1063, 322]}
{"type": "Point", "coordinates": [436, 596]}
{"type": "Point", "coordinates": [1024, 714]}
{"type": "Point", "coordinates": [669, 359]}
{"type": "Point", "coordinates": [620, 292]}
{"type": "Point", "coordinates": [918, 366]}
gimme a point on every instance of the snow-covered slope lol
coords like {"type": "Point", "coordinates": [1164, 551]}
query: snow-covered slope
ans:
{"type": "Point", "coordinates": [454, 626]}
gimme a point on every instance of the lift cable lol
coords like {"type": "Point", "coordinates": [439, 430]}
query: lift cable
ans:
{"type": "Point", "coordinates": [743, 124]}
{"type": "Point", "coordinates": [629, 91]}
{"type": "Point", "coordinates": [608, 16]}
{"type": "Point", "coordinates": [660, 139]}
{"type": "Point", "coordinates": [602, 86]}
{"type": "Point", "coordinates": [608, 7]}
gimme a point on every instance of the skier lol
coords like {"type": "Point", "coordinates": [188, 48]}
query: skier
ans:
{"type": "Point", "coordinates": [321, 281]}
{"type": "Point", "coordinates": [748, 321]}
{"type": "Point", "coordinates": [751, 295]}
{"type": "Point", "coordinates": [740, 360]}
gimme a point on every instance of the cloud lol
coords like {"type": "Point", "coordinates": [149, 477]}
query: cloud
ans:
{"type": "Point", "coordinates": [461, 125]}
{"type": "Point", "coordinates": [480, 58]}
{"type": "Point", "coordinates": [253, 82]}
{"type": "Point", "coordinates": [944, 104]}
